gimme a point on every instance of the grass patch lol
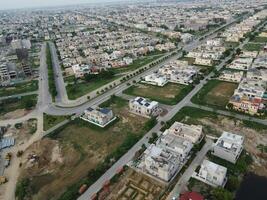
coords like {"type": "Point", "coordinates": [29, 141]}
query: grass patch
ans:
{"type": "Point", "coordinates": [253, 46]}
{"type": "Point", "coordinates": [260, 40]}
{"type": "Point", "coordinates": [215, 93]}
{"type": "Point", "coordinates": [19, 88]}
{"type": "Point", "coordinates": [190, 60]}
{"type": "Point", "coordinates": [231, 44]}
{"type": "Point", "coordinates": [12, 104]}
{"type": "Point", "coordinates": [169, 94]}
{"type": "Point", "coordinates": [51, 80]}
{"type": "Point", "coordinates": [51, 121]}
{"type": "Point", "coordinates": [69, 79]}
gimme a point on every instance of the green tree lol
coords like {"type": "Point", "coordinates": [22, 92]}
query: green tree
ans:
{"type": "Point", "coordinates": [232, 183]}
{"type": "Point", "coordinates": [221, 194]}
{"type": "Point", "coordinates": [22, 189]}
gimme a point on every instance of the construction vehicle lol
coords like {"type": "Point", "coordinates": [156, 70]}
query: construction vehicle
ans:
{"type": "Point", "coordinates": [3, 180]}
{"type": "Point", "coordinates": [8, 159]}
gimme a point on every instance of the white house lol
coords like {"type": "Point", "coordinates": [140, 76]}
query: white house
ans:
{"type": "Point", "coordinates": [99, 116]}
{"type": "Point", "coordinates": [257, 74]}
{"type": "Point", "coordinates": [165, 158]}
{"type": "Point", "coordinates": [204, 61]}
{"type": "Point", "coordinates": [176, 144]}
{"type": "Point", "coordinates": [81, 70]}
{"type": "Point", "coordinates": [231, 76]}
{"type": "Point", "coordinates": [192, 133]}
{"type": "Point", "coordinates": [144, 107]}
{"type": "Point", "coordinates": [160, 163]}
{"type": "Point", "coordinates": [241, 64]}
{"type": "Point", "coordinates": [212, 174]}
{"type": "Point", "coordinates": [228, 147]}
{"type": "Point", "coordinates": [156, 79]}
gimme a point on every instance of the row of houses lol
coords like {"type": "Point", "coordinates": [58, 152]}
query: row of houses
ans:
{"type": "Point", "coordinates": [106, 48]}
{"type": "Point", "coordinates": [175, 72]}
{"type": "Point", "coordinates": [249, 60]}
{"type": "Point", "coordinates": [171, 151]}
{"type": "Point", "coordinates": [251, 75]}
{"type": "Point", "coordinates": [208, 53]}
{"type": "Point", "coordinates": [229, 147]}
{"type": "Point", "coordinates": [249, 97]}
{"type": "Point", "coordinates": [239, 31]}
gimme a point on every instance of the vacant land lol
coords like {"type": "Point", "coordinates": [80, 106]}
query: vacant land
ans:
{"type": "Point", "coordinates": [215, 93]}
{"type": "Point", "coordinates": [133, 185]}
{"type": "Point", "coordinates": [231, 44]}
{"type": "Point", "coordinates": [19, 88]}
{"type": "Point", "coordinates": [24, 103]}
{"type": "Point", "coordinates": [253, 47]}
{"type": "Point", "coordinates": [79, 153]}
{"type": "Point", "coordinates": [260, 39]}
{"type": "Point", "coordinates": [169, 94]}
{"type": "Point", "coordinates": [51, 121]}
{"type": "Point", "coordinates": [190, 60]}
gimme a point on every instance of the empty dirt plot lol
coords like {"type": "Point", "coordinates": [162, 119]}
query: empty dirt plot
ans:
{"type": "Point", "coordinates": [169, 94]}
{"type": "Point", "coordinates": [61, 162]}
{"type": "Point", "coordinates": [215, 93]}
{"type": "Point", "coordinates": [213, 124]}
{"type": "Point", "coordinates": [17, 107]}
{"type": "Point", "coordinates": [135, 186]}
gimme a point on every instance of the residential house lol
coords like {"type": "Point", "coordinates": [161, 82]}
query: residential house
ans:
{"type": "Point", "coordinates": [156, 79]}
{"type": "Point", "coordinates": [203, 61]}
{"type": "Point", "coordinates": [212, 174]}
{"type": "Point", "coordinates": [231, 76]}
{"type": "Point", "coordinates": [241, 64]}
{"type": "Point", "coordinates": [228, 147]}
{"type": "Point", "coordinates": [165, 158]}
{"type": "Point", "coordinates": [99, 116]}
{"type": "Point", "coordinates": [81, 70]}
{"type": "Point", "coordinates": [192, 133]}
{"type": "Point", "coordinates": [160, 162]}
{"type": "Point", "coordinates": [144, 107]}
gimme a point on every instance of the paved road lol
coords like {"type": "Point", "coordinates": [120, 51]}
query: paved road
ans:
{"type": "Point", "coordinates": [230, 114]}
{"type": "Point", "coordinates": [181, 184]}
{"type": "Point", "coordinates": [44, 96]}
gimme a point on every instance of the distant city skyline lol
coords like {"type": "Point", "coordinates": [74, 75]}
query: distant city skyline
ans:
{"type": "Point", "coordinates": [18, 4]}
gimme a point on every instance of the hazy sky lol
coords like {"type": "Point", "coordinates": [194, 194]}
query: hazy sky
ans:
{"type": "Point", "coordinates": [10, 4]}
